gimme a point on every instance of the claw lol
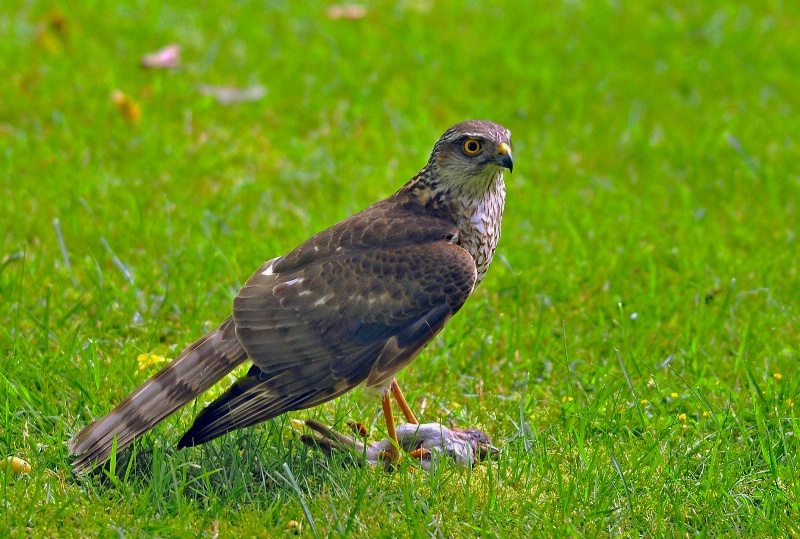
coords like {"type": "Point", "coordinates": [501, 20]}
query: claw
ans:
{"type": "Point", "coordinates": [389, 456]}
{"type": "Point", "coordinates": [421, 454]}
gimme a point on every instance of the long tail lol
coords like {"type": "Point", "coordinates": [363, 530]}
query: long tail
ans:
{"type": "Point", "coordinates": [199, 367]}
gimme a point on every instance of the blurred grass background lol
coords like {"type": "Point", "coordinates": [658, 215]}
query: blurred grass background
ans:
{"type": "Point", "coordinates": [634, 347]}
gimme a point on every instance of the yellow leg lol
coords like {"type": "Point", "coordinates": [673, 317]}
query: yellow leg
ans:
{"type": "Point", "coordinates": [394, 452]}
{"type": "Point", "coordinates": [401, 402]}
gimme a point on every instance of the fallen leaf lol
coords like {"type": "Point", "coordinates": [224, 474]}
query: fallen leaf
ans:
{"type": "Point", "coordinates": [345, 11]}
{"type": "Point", "coordinates": [228, 95]}
{"type": "Point", "coordinates": [164, 58]}
{"type": "Point", "coordinates": [17, 465]}
{"type": "Point", "coordinates": [127, 106]}
{"type": "Point", "coordinates": [51, 32]}
{"type": "Point", "coordinates": [57, 21]}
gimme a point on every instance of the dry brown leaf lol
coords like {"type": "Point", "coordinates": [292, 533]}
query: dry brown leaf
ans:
{"type": "Point", "coordinates": [345, 11]}
{"type": "Point", "coordinates": [127, 106]}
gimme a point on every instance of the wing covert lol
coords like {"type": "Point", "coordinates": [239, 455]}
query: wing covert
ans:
{"type": "Point", "coordinates": [338, 313]}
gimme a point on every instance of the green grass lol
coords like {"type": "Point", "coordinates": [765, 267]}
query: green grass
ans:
{"type": "Point", "coordinates": [634, 348]}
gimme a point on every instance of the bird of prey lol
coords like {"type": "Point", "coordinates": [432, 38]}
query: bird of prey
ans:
{"type": "Point", "coordinates": [352, 305]}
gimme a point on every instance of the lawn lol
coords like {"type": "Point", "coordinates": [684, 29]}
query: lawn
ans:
{"type": "Point", "coordinates": [634, 348]}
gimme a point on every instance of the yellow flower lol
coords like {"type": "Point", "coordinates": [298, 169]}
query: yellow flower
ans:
{"type": "Point", "coordinates": [149, 360]}
{"type": "Point", "coordinates": [294, 527]}
{"type": "Point", "coordinates": [644, 402]}
{"type": "Point", "coordinates": [674, 395]}
{"type": "Point", "coordinates": [567, 399]}
{"type": "Point", "coordinates": [682, 417]}
{"type": "Point", "coordinates": [777, 376]}
{"type": "Point", "coordinates": [706, 414]}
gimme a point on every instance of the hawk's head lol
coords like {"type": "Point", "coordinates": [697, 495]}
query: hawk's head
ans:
{"type": "Point", "coordinates": [472, 154]}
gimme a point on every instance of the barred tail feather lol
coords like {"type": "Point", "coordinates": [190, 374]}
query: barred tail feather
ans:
{"type": "Point", "coordinates": [199, 367]}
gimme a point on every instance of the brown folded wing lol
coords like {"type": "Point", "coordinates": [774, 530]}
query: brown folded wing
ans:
{"type": "Point", "coordinates": [355, 303]}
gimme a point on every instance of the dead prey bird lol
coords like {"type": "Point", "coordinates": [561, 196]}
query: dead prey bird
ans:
{"type": "Point", "coordinates": [430, 443]}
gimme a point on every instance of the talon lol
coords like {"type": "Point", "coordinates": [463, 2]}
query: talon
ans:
{"type": "Point", "coordinates": [390, 459]}
{"type": "Point", "coordinates": [421, 454]}
{"type": "Point", "coordinates": [389, 456]}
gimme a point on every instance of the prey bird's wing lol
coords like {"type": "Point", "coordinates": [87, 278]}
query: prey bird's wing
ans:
{"type": "Point", "coordinates": [354, 304]}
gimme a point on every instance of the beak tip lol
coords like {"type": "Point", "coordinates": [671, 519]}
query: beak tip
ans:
{"type": "Point", "coordinates": [508, 162]}
{"type": "Point", "coordinates": [504, 156]}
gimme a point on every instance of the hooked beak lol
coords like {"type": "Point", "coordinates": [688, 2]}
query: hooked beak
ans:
{"type": "Point", "coordinates": [503, 156]}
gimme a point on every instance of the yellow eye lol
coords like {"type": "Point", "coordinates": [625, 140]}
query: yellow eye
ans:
{"type": "Point", "coordinates": [472, 146]}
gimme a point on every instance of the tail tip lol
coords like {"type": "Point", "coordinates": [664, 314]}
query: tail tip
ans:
{"type": "Point", "coordinates": [187, 440]}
